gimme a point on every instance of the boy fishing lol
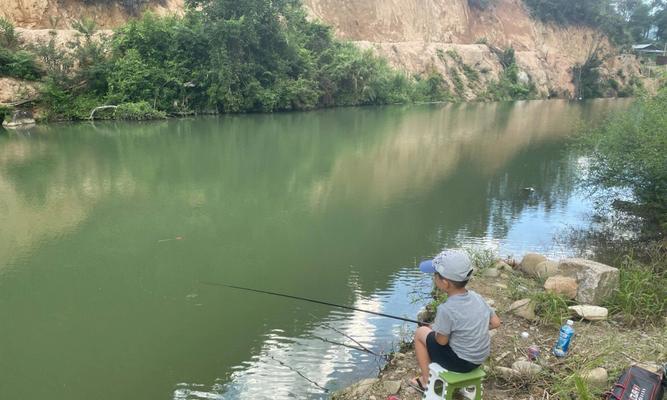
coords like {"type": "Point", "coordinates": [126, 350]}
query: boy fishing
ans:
{"type": "Point", "coordinates": [459, 337]}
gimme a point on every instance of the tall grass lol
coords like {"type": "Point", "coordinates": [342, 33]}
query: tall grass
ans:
{"type": "Point", "coordinates": [642, 294]}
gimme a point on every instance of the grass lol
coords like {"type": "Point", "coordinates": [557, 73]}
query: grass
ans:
{"type": "Point", "coordinates": [550, 308]}
{"type": "Point", "coordinates": [642, 294]}
{"type": "Point", "coordinates": [470, 73]}
{"type": "Point", "coordinates": [458, 82]}
{"type": "Point", "coordinates": [454, 55]}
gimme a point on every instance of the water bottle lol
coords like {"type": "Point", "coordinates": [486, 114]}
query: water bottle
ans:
{"type": "Point", "coordinates": [564, 339]}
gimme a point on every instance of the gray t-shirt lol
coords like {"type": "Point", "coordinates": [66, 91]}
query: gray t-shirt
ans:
{"type": "Point", "coordinates": [465, 319]}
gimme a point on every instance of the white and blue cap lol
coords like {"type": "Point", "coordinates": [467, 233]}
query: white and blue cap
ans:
{"type": "Point", "coordinates": [454, 265]}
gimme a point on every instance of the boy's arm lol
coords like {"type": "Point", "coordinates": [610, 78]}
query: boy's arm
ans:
{"type": "Point", "coordinates": [441, 339]}
{"type": "Point", "coordinates": [494, 322]}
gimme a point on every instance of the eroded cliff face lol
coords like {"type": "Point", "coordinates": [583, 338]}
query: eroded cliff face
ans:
{"type": "Point", "coordinates": [59, 14]}
{"type": "Point", "coordinates": [418, 36]}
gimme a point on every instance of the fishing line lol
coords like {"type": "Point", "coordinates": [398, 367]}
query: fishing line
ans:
{"type": "Point", "coordinates": [326, 303]}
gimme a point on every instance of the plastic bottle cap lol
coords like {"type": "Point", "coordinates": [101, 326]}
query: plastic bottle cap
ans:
{"type": "Point", "coordinates": [570, 322]}
{"type": "Point", "coordinates": [525, 335]}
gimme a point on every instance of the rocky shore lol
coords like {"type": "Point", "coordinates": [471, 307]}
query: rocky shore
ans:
{"type": "Point", "coordinates": [535, 296]}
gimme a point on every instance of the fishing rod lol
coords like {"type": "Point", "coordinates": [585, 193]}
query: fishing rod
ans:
{"type": "Point", "coordinates": [312, 301]}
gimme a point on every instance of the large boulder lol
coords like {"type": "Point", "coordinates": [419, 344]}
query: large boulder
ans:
{"type": "Point", "coordinates": [530, 262]}
{"type": "Point", "coordinates": [562, 285]}
{"type": "Point", "coordinates": [597, 281]}
{"type": "Point", "coordinates": [547, 269]}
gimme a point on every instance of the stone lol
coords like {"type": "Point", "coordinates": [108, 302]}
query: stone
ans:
{"type": "Point", "coordinates": [507, 373]}
{"type": "Point", "coordinates": [596, 377]}
{"type": "Point", "coordinates": [530, 262]}
{"type": "Point", "coordinates": [526, 368]}
{"type": "Point", "coordinates": [503, 266]}
{"type": "Point", "coordinates": [391, 387]}
{"type": "Point", "coordinates": [523, 77]}
{"type": "Point", "coordinates": [590, 313]}
{"type": "Point", "coordinates": [20, 118]}
{"type": "Point", "coordinates": [547, 269]}
{"type": "Point", "coordinates": [490, 302]}
{"type": "Point", "coordinates": [358, 390]}
{"type": "Point", "coordinates": [597, 281]}
{"type": "Point", "coordinates": [524, 308]}
{"type": "Point", "coordinates": [490, 273]}
{"type": "Point", "coordinates": [562, 285]}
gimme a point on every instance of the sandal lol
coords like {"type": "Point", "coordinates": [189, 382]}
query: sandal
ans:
{"type": "Point", "coordinates": [416, 384]}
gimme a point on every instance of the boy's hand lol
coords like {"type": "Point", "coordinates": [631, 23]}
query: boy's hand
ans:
{"type": "Point", "coordinates": [494, 322]}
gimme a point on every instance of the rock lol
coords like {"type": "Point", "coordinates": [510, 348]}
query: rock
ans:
{"type": "Point", "coordinates": [20, 118]}
{"type": "Point", "coordinates": [526, 368]}
{"type": "Point", "coordinates": [562, 285]}
{"type": "Point", "coordinates": [358, 390]}
{"type": "Point", "coordinates": [546, 269]}
{"type": "Point", "coordinates": [590, 313]}
{"type": "Point", "coordinates": [503, 266]}
{"type": "Point", "coordinates": [524, 308]}
{"type": "Point", "coordinates": [523, 77]}
{"type": "Point", "coordinates": [490, 302]}
{"type": "Point", "coordinates": [507, 373]}
{"type": "Point", "coordinates": [530, 262]}
{"type": "Point", "coordinates": [596, 377]}
{"type": "Point", "coordinates": [597, 282]}
{"type": "Point", "coordinates": [490, 273]}
{"type": "Point", "coordinates": [391, 387]}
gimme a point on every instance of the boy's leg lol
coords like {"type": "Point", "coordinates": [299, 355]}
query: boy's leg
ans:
{"type": "Point", "coordinates": [423, 359]}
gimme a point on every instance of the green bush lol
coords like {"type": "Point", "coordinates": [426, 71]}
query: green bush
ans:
{"type": "Point", "coordinates": [470, 73]}
{"type": "Point", "coordinates": [508, 87]}
{"type": "Point", "coordinates": [8, 36]}
{"type": "Point", "coordinates": [5, 112]}
{"type": "Point", "coordinates": [138, 111]}
{"type": "Point", "coordinates": [629, 154]}
{"type": "Point", "coordinates": [18, 64]}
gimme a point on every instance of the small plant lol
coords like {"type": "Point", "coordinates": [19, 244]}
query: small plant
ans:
{"type": "Point", "coordinates": [481, 258]}
{"type": "Point", "coordinates": [441, 55]}
{"type": "Point", "coordinates": [458, 82]}
{"type": "Point", "coordinates": [482, 40]}
{"type": "Point", "coordinates": [138, 111]}
{"type": "Point", "coordinates": [454, 55]}
{"type": "Point", "coordinates": [8, 35]}
{"type": "Point", "coordinates": [470, 73]}
{"type": "Point", "coordinates": [550, 308]}
{"type": "Point", "coordinates": [520, 287]}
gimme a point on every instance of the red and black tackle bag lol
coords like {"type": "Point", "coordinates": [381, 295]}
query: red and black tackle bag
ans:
{"type": "Point", "coordinates": [638, 384]}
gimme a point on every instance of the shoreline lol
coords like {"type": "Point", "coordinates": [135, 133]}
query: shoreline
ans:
{"type": "Point", "coordinates": [595, 347]}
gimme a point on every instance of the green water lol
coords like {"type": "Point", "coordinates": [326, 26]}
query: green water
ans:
{"type": "Point", "coordinates": [107, 230]}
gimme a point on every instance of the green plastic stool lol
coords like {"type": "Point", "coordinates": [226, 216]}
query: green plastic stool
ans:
{"type": "Point", "coordinates": [442, 384]}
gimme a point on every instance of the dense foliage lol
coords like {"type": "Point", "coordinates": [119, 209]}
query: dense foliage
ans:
{"type": "Point", "coordinates": [509, 86]}
{"type": "Point", "coordinates": [622, 20]}
{"type": "Point", "coordinates": [14, 61]}
{"type": "Point", "coordinates": [221, 56]}
{"type": "Point", "coordinates": [629, 153]}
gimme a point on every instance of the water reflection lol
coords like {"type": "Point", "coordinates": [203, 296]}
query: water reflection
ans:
{"type": "Point", "coordinates": [106, 231]}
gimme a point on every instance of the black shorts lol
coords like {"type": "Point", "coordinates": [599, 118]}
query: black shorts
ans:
{"type": "Point", "coordinates": [445, 356]}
